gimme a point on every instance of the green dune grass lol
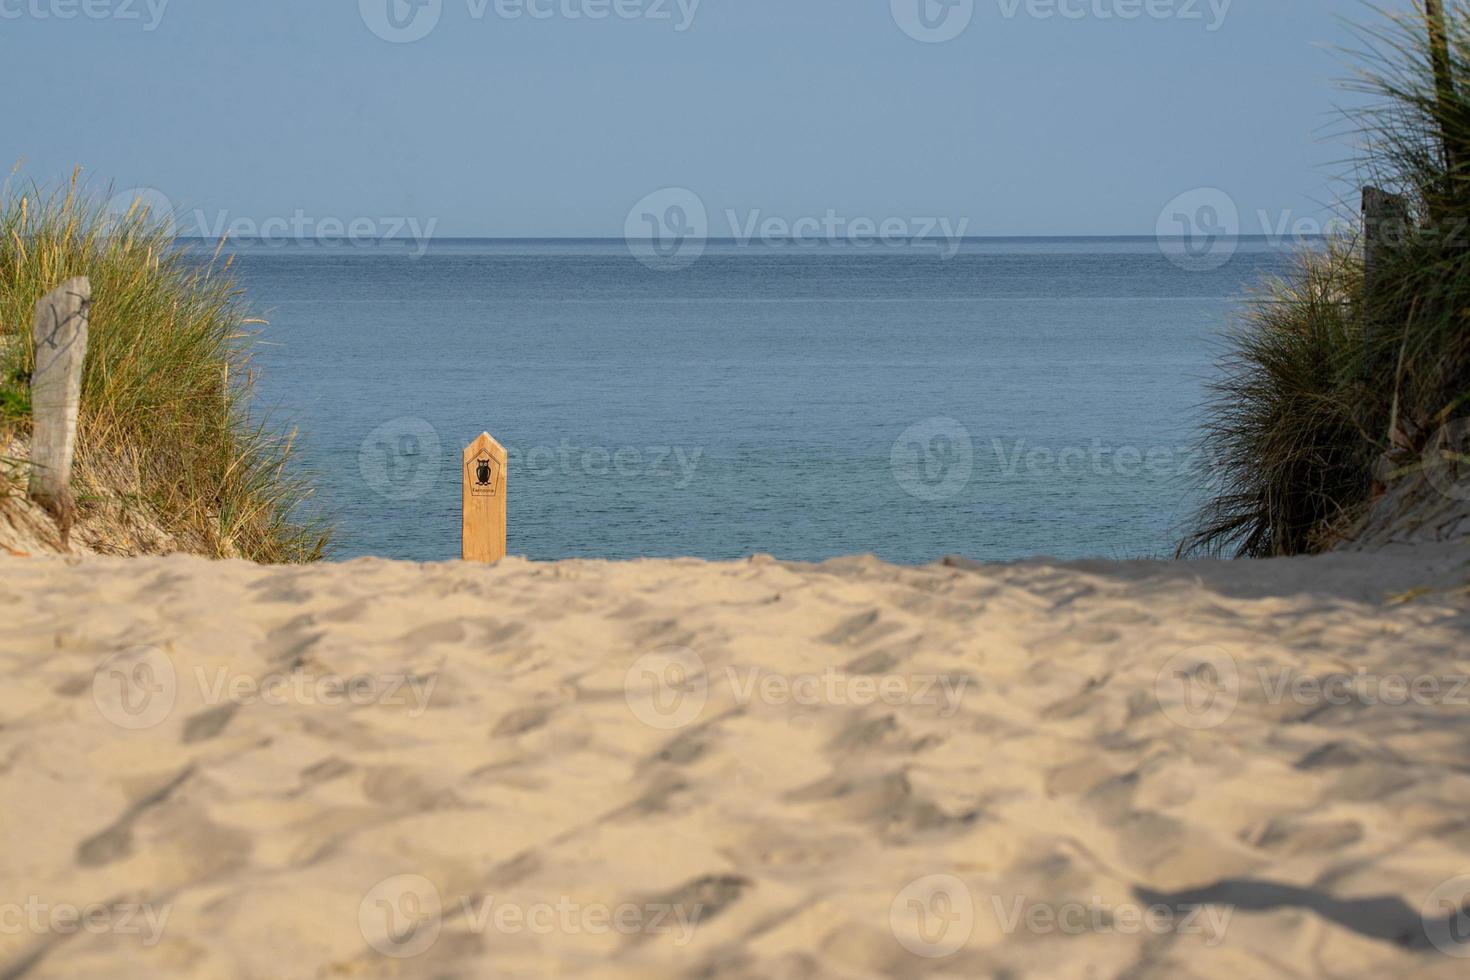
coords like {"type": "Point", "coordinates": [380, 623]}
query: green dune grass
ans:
{"type": "Point", "coordinates": [165, 389]}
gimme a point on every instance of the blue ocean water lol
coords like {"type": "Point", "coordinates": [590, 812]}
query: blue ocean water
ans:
{"type": "Point", "coordinates": [1023, 397]}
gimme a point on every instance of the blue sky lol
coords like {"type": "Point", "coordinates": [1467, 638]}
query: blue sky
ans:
{"type": "Point", "coordinates": [1040, 117]}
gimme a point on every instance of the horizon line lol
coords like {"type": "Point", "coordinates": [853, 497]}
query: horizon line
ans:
{"type": "Point", "coordinates": [753, 240]}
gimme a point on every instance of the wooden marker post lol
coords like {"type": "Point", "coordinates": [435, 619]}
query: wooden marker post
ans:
{"type": "Point", "coordinates": [485, 464]}
{"type": "Point", "coordinates": [1386, 228]}
{"type": "Point", "coordinates": [60, 332]}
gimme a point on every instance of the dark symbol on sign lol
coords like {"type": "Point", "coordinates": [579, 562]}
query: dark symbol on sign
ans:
{"type": "Point", "coordinates": [483, 474]}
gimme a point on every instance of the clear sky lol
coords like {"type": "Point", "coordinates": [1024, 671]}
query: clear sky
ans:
{"type": "Point", "coordinates": [1040, 117]}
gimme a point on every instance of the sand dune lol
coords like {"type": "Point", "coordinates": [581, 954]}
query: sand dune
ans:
{"type": "Point", "coordinates": [678, 769]}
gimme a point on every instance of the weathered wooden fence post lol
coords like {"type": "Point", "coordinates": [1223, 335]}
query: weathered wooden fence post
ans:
{"type": "Point", "coordinates": [60, 333]}
{"type": "Point", "coordinates": [1385, 228]}
{"type": "Point", "coordinates": [484, 472]}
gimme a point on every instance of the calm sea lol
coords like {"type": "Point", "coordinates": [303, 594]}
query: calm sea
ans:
{"type": "Point", "coordinates": [1022, 397]}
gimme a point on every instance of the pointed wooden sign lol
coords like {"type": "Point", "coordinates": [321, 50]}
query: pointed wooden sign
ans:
{"type": "Point", "coordinates": [484, 500]}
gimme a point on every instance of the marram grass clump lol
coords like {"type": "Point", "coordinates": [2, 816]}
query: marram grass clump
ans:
{"type": "Point", "coordinates": [1339, 383]}
{"type": "Point", "coordinates": [1288, 461]}
{"type": "Point", "coordinates": [165, 388]}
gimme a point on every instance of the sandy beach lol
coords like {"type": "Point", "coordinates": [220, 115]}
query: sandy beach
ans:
{"type": "Point", "coordinates": [700, 334]}
{"type": "Point", "coordinates": [680, 769]}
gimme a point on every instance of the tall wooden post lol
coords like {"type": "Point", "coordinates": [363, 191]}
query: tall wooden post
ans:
{"type": "Point", "coordinates": [1444, 86]}
{"type": "Point", "coordinates": [1385, 229]}
{"type": "Point", "coordinates": [60, 333]}
{"type": "Point", "coordinates": [485, 463]}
